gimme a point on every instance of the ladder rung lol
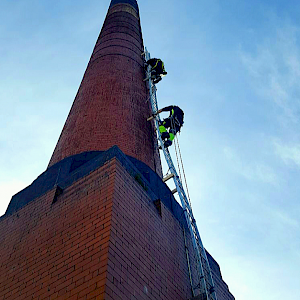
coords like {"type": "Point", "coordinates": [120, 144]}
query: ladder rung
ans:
{"type": "Point", "coordinates": [168, 177]}
{"type": "Point", "coordinates": [150, 118]}
{"type": "Point", "coordinates": [174, 191]}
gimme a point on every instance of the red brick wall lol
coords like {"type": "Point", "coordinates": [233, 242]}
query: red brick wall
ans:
{"type": "Point", "coordinates": [111, 106]}
{"type": "Point", "coordinates": [147, 253]}
{"type": "Point", "coordinates": [102, 239]}
{"type": "Point", "coordinates": [60, 250]}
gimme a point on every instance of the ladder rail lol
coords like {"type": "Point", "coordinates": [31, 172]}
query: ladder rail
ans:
{"type": "Point", "coordinates": [187, 209]}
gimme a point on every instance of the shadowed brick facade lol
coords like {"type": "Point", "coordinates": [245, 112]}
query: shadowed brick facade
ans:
{"type": "Point", "coordinates": [100, 223]}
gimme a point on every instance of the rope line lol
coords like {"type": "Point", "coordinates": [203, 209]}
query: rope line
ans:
{"type": "Point", "coordinates": [185, 181]}
{"type": "Point", "coordinates": [173, 127]}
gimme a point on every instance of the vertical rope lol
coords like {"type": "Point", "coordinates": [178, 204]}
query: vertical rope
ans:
{"type": "Point", "coordinates": [185, 181]}
{"type": "Point", "coordinates": [176, 140]}
{"type": "Point", "coordinates": [177, 160]}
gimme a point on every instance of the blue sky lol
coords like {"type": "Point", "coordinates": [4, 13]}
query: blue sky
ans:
{"type": "Point", "coordinates": [233, 66]}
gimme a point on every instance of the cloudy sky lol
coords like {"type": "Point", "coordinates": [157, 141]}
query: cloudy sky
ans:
{"type": "Point", "coordinates": [233, 66]}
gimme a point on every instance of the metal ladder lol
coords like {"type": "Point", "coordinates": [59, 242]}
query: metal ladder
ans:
{"type": "Point", "coordinates": [206, 284]}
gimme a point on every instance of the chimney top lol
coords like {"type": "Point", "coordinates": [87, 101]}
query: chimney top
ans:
{"type": "Point", "coordinates": [133, 3]}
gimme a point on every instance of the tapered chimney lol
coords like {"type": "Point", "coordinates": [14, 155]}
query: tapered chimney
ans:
{"type": "Point", "coordinates": [100, 223]}
{"type": "Point", "coordinates": [111, 106]}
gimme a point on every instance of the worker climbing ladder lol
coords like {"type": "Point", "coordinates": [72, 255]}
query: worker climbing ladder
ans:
{"type": "Point", "coordinates": [206, 284]}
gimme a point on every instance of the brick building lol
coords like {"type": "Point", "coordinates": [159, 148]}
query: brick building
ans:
{"type": "Point", "coordinates": [100, 223]}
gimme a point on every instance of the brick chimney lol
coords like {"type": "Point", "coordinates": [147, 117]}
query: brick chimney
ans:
{"type": "Point", "coordinates": [111, 106]}
{"type": "Point", "coordinates": [100, 223]}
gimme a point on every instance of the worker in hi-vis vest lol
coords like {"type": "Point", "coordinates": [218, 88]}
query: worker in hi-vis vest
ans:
{"type": "Point", "coordinates": [157, 69]}
{"type": "Point", "coordinates": [171, 125]}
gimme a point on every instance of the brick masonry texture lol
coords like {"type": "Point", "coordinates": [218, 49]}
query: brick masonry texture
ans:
{"type": "Point", "coordinates": [147, 252]}
{"type": "Point", "coordinates": [102, 239]}
{"type": "Point", "coordinates": [59, 250]}
{"type": "Point", "coordinates": [111, 106]}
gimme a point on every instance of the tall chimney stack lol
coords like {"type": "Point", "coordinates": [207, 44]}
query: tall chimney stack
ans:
{"type": "Point", "coordinates": [111, 105]}
{"type": "Point", "coordinates": [100, 223]}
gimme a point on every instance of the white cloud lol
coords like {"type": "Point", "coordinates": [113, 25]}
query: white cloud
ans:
{"type": "Point", "coordinates": [250, 170]}
{"type": "Point", "coordinates": [289, 154]}
{"type": "Point", "coordinates": [275, 70]}
{"type": "Point", "coordinates": [285, 219]}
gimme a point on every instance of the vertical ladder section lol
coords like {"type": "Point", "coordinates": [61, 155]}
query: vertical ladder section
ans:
{"type": "Point", "coordinates": [206, 284]}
